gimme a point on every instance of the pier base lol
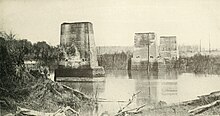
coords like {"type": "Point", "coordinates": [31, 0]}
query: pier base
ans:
{"type": "Point", "coordinates": [72, 74]}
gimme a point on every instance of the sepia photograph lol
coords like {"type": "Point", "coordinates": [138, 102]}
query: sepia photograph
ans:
{"type": "Point", "coordinates": [109, 58]}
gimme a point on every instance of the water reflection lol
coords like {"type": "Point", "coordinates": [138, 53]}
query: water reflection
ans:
{"type": "Point", "coordinates": [155, 88]}
{"type": "Point", "coordinates": [93, 90]}
{"type": "Point", "coordinates": [119, 86]}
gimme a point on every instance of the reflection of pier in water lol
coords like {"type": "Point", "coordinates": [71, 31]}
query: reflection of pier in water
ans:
{"type": "Point", "coordinates": [120, 85]}
{"type": "Point", "coordinates": [155, 88]}
{"type": "Point", "coordinates": [91, 89]}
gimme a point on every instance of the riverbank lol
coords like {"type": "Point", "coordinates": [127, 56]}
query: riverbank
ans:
{"type": "Point", "coordinates": [43, 95]}
{"type": "Point", "coordinates": [20, 88]}
{"type": "Point", "coordinates": [204, 105]}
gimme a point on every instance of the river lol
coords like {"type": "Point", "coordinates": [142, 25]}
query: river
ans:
{"type": "Point", "coordinates": [169, 87]}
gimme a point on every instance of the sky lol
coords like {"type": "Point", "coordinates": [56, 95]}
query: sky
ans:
{"type": "Point", "coordinates": [115, 21]}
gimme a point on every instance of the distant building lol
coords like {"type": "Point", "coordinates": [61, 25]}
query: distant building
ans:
{"type": "Point", "coordinates": [213, 53]}
{"type": "Point", "coordinates": [188, 50]}
{"type": "Point", "coordinates": [168, 47]}
{"type": "Point", "coordinates": [114, 49]}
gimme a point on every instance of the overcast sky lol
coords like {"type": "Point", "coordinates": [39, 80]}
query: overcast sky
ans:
{"type": "Point", "coordinates": [114, 21]}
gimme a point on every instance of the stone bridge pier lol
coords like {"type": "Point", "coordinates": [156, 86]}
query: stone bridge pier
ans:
{"type": "Point", "coordinates": [79, 51]}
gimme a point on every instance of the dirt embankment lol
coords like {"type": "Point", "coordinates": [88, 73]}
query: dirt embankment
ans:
{"type": "Point", "coordinates": [44, 95]}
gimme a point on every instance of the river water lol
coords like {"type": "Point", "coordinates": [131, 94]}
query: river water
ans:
{"type": "Point", "coordinates": [166, 88]}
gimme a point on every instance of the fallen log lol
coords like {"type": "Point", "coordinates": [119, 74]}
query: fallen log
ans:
{"type": "Point", "coordinates": [76, 92]}
{"type": "Point", "coordinates": [110, 101]}
{"type": "Point", "coordinates": [175, 104]}
{"type": "Point", "coordinates": [203, 108]}
{"type": "Point", "coordinates": [59, 112]}
{"type": "Point", "coordinates": [213, 94]}
{"type": "Point", "coordinates": [28, 112]}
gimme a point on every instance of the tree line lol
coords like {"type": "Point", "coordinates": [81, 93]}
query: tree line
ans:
{"type": "Point", "coordinates": [117, 61]}
{"type": "Point", "coordinates": [13, 53]}
{"type": "Point", "coordinates": [25, 50]}
{"type": "Point", "coordinates": [19, 87]}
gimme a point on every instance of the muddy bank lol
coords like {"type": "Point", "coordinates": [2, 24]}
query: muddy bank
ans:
{"type": "Point", "coordinates": [204, 105]}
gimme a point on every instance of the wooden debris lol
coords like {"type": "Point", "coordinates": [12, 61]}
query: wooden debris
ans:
{"type": "Point", "coordinates": [62, 110]}
{"type": "Point", "coordinates": [59, 112]}
{"type": "Point", "coordinates": [76, 92]}
{"type": "Point", "coordinates": [123, 112]}
{"type": "Point", "coordinates": [129, 102]}
{"type": "Point", "coordinates": [213, 94]}
{"type": "Point", "coordinates": [10, 114]}
{"type": "Point", "coordinates": [110, 101]}
{"type": "Point", "coordinates": [203, 108]}
{"type": "Point", "coordinates": [134, 110]}
{"type": "Point", "coordinates": [56, 92]}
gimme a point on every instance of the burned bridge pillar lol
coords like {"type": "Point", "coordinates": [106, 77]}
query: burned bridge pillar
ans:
{"type": "Point", "coordinates": [78, 57]}
{"type": "Point", "coordinates": [80, 37]}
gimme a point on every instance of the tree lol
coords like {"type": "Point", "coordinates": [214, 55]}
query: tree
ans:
{"type": "Point", "coordinates": [45, 53]}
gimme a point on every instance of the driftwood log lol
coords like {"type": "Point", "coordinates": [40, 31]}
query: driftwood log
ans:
{"type": "Point", "coordinates": [59, 112]}
{"type": "Point", "coordinates": [203, 108]}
